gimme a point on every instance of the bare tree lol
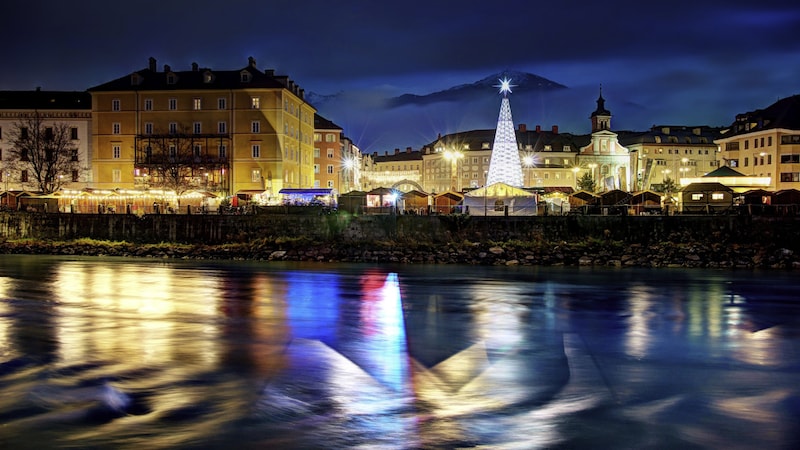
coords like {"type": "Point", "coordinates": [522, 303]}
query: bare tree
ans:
{"type": "Point", "coordinates": [171, 159]}
{"type": "Point", "coordinates": [43, 154]}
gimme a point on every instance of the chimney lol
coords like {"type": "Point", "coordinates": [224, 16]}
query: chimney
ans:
{"type": "Point", "coordinates": [251, 61]}
{"type": "Point", "coordinates": [152, 64]}
{"type": "Point", "coordinates": [523, 128]}
{"type": "Point", "coordinates": [194, 67]}
{"type": "Point", "coordinates": [538, 128]}
{"type": "Point", "coordinates": [555, 129]}
{"type": "Point", "coordinates": [386, 153]}
{"type": "Point", "coordinates": [397, 151]}
{"type": "Point", "coordinates": [167, 68]}
{"type": "Point", "coordinates": [408, 149]}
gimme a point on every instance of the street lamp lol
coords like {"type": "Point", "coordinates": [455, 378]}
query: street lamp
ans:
{"type": "Point", "coordinates": [527, 162]}
{"type": "Point", "coordinates": [594, 179]}
{"type": "Point", "coordinates": [575, 171]}
{"type": "Point", "coordinates": [453, 156]}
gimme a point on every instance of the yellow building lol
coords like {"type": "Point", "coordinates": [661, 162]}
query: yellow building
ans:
{"type": "Point", "coordinates": [766, 144]}
{"type": "Point", "coordinates": [233, 132]}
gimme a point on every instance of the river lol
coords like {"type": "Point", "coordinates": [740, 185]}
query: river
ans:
{"type": "Point", "coordinates": [113, 353]}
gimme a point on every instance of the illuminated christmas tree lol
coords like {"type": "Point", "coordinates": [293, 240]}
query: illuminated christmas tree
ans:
{"type": "Point", "coordinates": [505, 166]}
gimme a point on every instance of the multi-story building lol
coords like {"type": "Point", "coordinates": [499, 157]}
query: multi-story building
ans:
{"type": "Point", "coordinates": [460, 161]}
{"type": "Point", "coordinates": [400, 170]}
{"type": "Point", "coordinates": [70, 110]}
{"type": "Point", "coordinates": [679, 153]}
{"type": "Point", "coordinates": [765, 143]}
{"type": "Point", "coordinates": [327, 153]}
{"type": "Point", "coordinates": [233, 131]}
{"type": "Point", "coordinates": [351, 166]}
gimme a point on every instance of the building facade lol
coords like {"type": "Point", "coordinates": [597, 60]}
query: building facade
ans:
{"type": "Point", "coordinates": [236, 131]}
{"type": "Point", "coordinates": [766, 143]}
{"type": "Point", "coordinates": [60, 109]}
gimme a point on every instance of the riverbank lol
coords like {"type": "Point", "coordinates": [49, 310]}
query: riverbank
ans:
{"type": "Point", "coordinates": [588, 252]}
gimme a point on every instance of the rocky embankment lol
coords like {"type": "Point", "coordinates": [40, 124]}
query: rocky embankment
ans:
{"type": "Point", "coordinates": [591, 252]}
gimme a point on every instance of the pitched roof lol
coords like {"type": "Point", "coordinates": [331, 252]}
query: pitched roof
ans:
{"type": "Point", "coordinates": [321, 123]}
{"type": "Point", "coordinates": [785, 113]}
{"type": "Point", "coordinates": [39, 99]}
{"type": "Point", "coordinates": [723, 171]}
{"type": "Point", "coordinates": [150, 79]}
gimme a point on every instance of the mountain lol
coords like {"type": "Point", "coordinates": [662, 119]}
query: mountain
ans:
{"type": "Point", "coordinates": [378, 120]}
{"type": "Point", "coordinates": [523, 81]}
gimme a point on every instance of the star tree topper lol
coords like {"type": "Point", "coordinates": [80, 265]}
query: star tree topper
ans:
{"type": "Point", "coordinates": [505, 86]}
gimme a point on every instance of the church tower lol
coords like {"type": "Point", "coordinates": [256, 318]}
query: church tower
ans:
{"type": "Point", "coordinates": [601, 117]}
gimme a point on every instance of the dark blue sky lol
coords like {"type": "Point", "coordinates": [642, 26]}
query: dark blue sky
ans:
{"type": "Point", "coordinates": [684, 61]}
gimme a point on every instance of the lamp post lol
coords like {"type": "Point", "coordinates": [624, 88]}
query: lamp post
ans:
{"type": "Point", "coordinates": [575, 171]}
{"type": "Point", "coordinates": [453, 156]}
{"type": "Point", "coordinates": [527, 162]}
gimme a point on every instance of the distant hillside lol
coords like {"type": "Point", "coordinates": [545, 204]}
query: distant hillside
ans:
{"type": "Point", "coordinates": [524, 81]}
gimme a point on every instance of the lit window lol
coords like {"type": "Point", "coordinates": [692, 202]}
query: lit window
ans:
{"type": "Point", "coordinates": [717, 196]}
{"type": "Point", "coordinates": [330, 137]}
{"type": "Point", "coordinates": [116, 176]}
{"type": "Point", "coordinates": [697, 196]}
{"type": "Point", "coordinates": [255, 102]}
{"type": "Point", "coordinates": [255, 175]}
{"type": "Point", "coordinates": [197, 104]}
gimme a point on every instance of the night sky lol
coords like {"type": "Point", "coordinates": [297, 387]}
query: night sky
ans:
{"type": "Point", "coordinates": [682, 62]}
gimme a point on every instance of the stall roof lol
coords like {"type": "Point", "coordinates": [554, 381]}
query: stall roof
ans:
{"type": "Point", "coordinates": [307, 191]}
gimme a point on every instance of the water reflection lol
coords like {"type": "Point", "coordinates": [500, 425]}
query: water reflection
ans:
{"type": "Point", "coordinates": [129, 353]}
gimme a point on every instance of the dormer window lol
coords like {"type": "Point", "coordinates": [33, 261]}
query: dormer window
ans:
{"type": "Point", "coordinates": [208, 77]}
{"type": "Point", "coordinates": [245, 77]}
{"type": "Point", "coordinates": [136, 79]}
{"type": "Point", "coordinates": [171, 78]}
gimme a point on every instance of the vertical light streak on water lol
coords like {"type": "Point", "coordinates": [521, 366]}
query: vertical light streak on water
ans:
{"type": "Point", "coordinates": [637, 337]}
{"type": "Point", "coordinates": [4, 321]}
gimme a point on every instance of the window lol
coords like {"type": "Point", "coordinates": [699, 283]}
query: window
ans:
{"type": "Point", "coordinates": [330, 137]}
{"type": "Point", "coordinates": [173, 151]}
{"type": "Point", "coordinates": [116, 127]}
{"type": "Point", "coordinates": [317, 137]}
{"type": "Point", "coordinates": [24, 155]}
{"type": "Point", "coordinates": [197, 104]}
{"type": "Point", "coordinates": [255, 102]}
{"type": "Point", "coordinates": [717, 196]}
{"type": "Point", "coordinates": [148, 104]}
{"type": "Point", "coordinates": [316, 169]}
{"type": "Point", "coordinates": [197, 127]}
{"type": "Point", "coordinates": [745, 159]}
{"type": "Point", "coordinates": [316, 152]}
{"type": "Point", "coordinates": [566, 148]}
{"type": "Point", "coordinates": [762, 141]}
{"type": "Point", "coordinates": [116, 176]}
{"type": "Point", "coordinates": [116, 151]}
{"type": "Point", "coordinates": [697, 196]}
{"type": "Point", "coordinates": [148, 128]}
{"type": "Point", "coordinates": [23, 176]}
{"type": "Point", "coordinates": [23, 133]}
{"type": "Point", "coordinates": [788, 177]}
{"type": "Point", "coordinates": [746, 144]}
{"type": "Point", "coordinates": [222, 127]}
{"type": "Point", "coordinates": [173, 128]}
{"type": "Point", "coordinates": [755, 143]}
{"type": "Point", "coordinates": [74, 155]}
{"type": "Point", "coordinates": [769, 159]}
{"type": "Point", "coordinates": [73, 133]}
{"type": "Point", "coordinates": [244, 77]}
{"type": "Point", "coordinates": [173, 104]}
{"type": "Point", "coordinates": [330, 153]}
{"type": "Point", "coordinates": [48, 133]}
{"type": "Point", "coordinates": [74, 176]}
{"type": "Point", "coordinates": [115, 106]}
{"type": "Point", "coordinates": [256, 150]}
{"type": "Point", "coordinates": [171, 78]}
{"type": "Point", "coordinates": [198, 150]}
{"type": "Point", "coordinates": [769, 141]}
{"type": "Point", "coordinates": [255, 126]}
{"type": "Point", "coordinates": [222, 150]}
{"type": "Point", "coordinates": [329, 169]}
{"type": "Point", "coordinates": [255, 175]}
{"type": "Point", "coordinates": [222, 103]}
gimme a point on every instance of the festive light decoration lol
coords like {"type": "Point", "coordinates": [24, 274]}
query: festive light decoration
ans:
{"type": "Point", "coordinates": [505, 165]}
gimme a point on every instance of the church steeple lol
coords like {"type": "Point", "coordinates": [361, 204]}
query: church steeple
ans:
{"type": "Point", "coordinates": [601, 117]}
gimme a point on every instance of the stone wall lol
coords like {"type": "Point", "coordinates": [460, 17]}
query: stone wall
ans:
{"type": "Point", "coordinates": [218, 229]}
